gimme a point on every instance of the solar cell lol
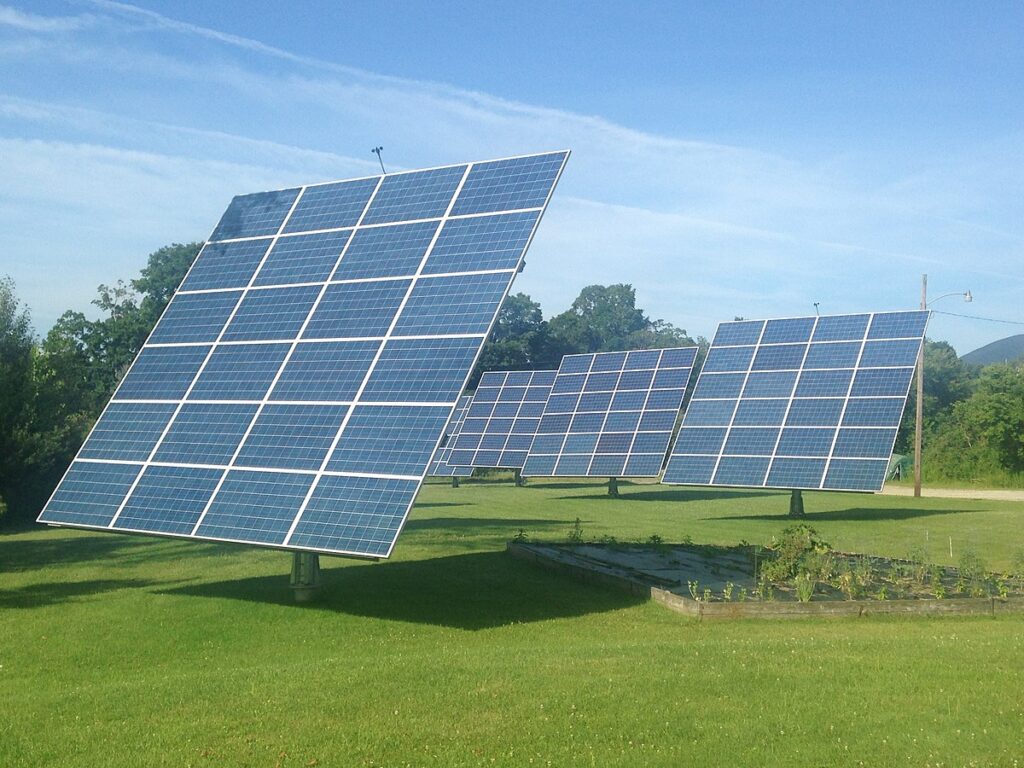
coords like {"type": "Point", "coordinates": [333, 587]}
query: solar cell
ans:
{"type": "Point", "coordinates": [303, 258]}
{"type": "Point", "coordinates": [297, 386]}
{"type": "Point", "coordinates": [439, 464]}
{"type": "Point", "coordinates": [611, 414]}
{"type": "Point", "coordinates": [502, 419]}
{"type": "Point", "coordinates": [799, 403]}
{"type": "Point", "coordinates": [226, 265]}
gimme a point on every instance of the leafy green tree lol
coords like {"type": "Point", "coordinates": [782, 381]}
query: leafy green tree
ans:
{"type": "Point", "coordinates": [982, 436]}
{"type": "Point", "coordinates": [602, 318]}
{"type": "Point", "coordinates": [947, 380]}
{"type": "Point", "coordinates": [79, 364]}
{"type": "Point", "coordinates": [605, 318]}
{"type": "Point", "coordinates": [160, 278]}
{"type": "Point", "coordinates": [17, 342]}
{"type": "Point", "coordinates": [518, 339]}
{"type": "Point", "coordinates": [96, 353]}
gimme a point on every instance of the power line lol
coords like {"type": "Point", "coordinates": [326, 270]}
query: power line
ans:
{"type": "Point", "coordinates": [977, 317]}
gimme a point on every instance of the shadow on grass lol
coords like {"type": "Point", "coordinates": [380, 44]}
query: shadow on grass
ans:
{"type": "Point", "coordinates": [453, 523]}
{"type": "Point", "coordinates": [52, 593]}
{"type": "Point", "coordinates": [856, 514]}
{"type": "Point", "coordinates": [626, 493]}
{"type": "Point", "coordinates": [63, 548]}
{"type": "Point", "coordinates": [435, 504]}
{"type": "Point", "coordinates": [538, 484]}
{"type": "Point", "coordinates": [471, 592]}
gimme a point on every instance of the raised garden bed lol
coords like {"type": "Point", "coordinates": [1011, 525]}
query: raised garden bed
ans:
{"type": "Point", "coordinates": [744, 581]}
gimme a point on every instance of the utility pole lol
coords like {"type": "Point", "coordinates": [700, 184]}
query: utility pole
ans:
{"type": "Point", "coordinates": [919, 405]}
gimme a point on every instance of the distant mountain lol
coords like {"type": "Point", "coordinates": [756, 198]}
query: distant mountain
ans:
{"type": "Point", "coordinates": [1003, 351]}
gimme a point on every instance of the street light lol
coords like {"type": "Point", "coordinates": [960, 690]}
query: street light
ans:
{"type": "Point", "coordinates": [920, 381]}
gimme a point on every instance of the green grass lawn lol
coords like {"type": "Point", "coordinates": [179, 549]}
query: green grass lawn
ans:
{"type": "Point", "coordinates": [129, 651]}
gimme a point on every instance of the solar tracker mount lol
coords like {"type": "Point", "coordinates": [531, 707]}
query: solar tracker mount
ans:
{"type": "Point", "coordinates": [300, 380]}
{"type": "Point", "coordinates": [799, 403]}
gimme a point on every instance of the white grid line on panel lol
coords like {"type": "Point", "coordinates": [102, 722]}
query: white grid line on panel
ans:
{"type": "Point", "coordinates": [802, 397]}
{"type": "Point", "coordinates": [769, 345]}
{"type": "Point", "coordinates": [202, 367]}
{"type": "Point", "coordinates": [206, 401]}
{"type": "Point", "coordinates": [494, 318]}
{"type": "Point", "coordinates": [643, 410]}
{"type": "Point", "coordinates": [413, 337]}
{"type": "Point", "coordinates": [428, 219]}
{"type": "Point", "coordinates": [439, 458]}
{"type": "Point", "coordinates": [515, 419]}
{"type": "Point", "coordinates": [271, 241]}
{"type": "Point", "coordinates": [789, 402]}
{"type": "Point", "coordinates": [606, 413]}
{"type": "Point", "coordinates": [739, 399]}
{"type": "Point", "coordinates": [245, 468]}
{"type": "Point", "coordinates": [347, 281]}
{"type": "Point", "coordinates": [380, 351]}
{"type": "Point", "coordinates": [846, 400]}
{"type": "Point", "coordinates": [131, 366]}
{"type": "Point", "coordinates": [853, 370]}
{"type": "Point", "coordinates": [285, 361]}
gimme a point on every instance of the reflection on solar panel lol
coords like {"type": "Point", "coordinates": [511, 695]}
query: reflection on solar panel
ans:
{"type": "Point", "coordinates": [611, 414]}
{"type": "Point", "coordinates": [808, 402]}
{"type": "Point", "coordinates": [297, 386]}
{"type": "Point", "coordinates": [503, 419]}
{"type": "Point", "coordinates": [440, 465]}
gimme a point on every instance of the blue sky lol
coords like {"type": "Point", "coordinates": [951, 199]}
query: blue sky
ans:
{"type": "Point", "coordinates": [728, 159]}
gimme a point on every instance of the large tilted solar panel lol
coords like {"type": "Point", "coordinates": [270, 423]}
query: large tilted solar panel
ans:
{"type": "Point", "coordinates": [439, 465]}
{"type": "Point", "coordinates": [808, 402]}
{"type": "Point", "coordinates": [503, 419]}
{"type": "Point", "coordinates": [296, 387]}
{"type": "Point", "coordinates": [611, 414]}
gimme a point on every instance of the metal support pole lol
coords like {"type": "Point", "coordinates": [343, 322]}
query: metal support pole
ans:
{"type": "Point", "coordinates": [305, 579]}
{"type": "Point", "coordinates": [613, 486]}
{"type": "Point", "coordinates": [455, 481]}
{"type": "Point", "coordinates": [796, 504]}
{"type": "Point", "coordinates": [519, 478]}
{"type": "Point", "coordinates": [919, 405]}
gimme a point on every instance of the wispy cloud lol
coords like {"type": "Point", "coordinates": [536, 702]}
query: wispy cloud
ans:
{"type": "Point", "coordinates": [178, 116]}
{"type": "Point", "coordinates": [30, 22]}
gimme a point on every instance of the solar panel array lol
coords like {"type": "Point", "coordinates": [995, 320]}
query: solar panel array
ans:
{"type": "Point", "coordinates": [503, 419]}
{"type": "Point", "coordinates": [809, 402]}
{"type": "Point", "coordinates": [611, 414]}
{"type": "Point", "coordinates": [295, 389]}
{"type": "Point", "coordinates": [440, 466]}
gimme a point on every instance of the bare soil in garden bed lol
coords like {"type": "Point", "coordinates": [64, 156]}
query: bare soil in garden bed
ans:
{"type": "Point", "coordinates": [746, 580]}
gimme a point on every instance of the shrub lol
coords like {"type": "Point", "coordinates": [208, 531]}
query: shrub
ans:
{"type": "Point", "coordinates": [790, 551]}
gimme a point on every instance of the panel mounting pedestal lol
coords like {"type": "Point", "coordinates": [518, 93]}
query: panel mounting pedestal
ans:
{"type": "Point", "coordinates": [305, 579]}
{"type": "Point", "coordinates": [796, 504]}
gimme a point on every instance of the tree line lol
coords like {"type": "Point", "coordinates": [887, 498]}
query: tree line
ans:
{"type": "Point", "coordinates": [53, 389]}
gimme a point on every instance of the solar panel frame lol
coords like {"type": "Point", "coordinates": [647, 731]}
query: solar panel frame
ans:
{"type": "Point", "coordinates": [464, 354]}
{"type": "Point", "coordinates": [826, 432]}
{"type": "Point", "coordinates": [439, 464]}
{"type": "Point", "coordinates": [611, 414]}
{"type": "Point", "coordinates": [498, 431]}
